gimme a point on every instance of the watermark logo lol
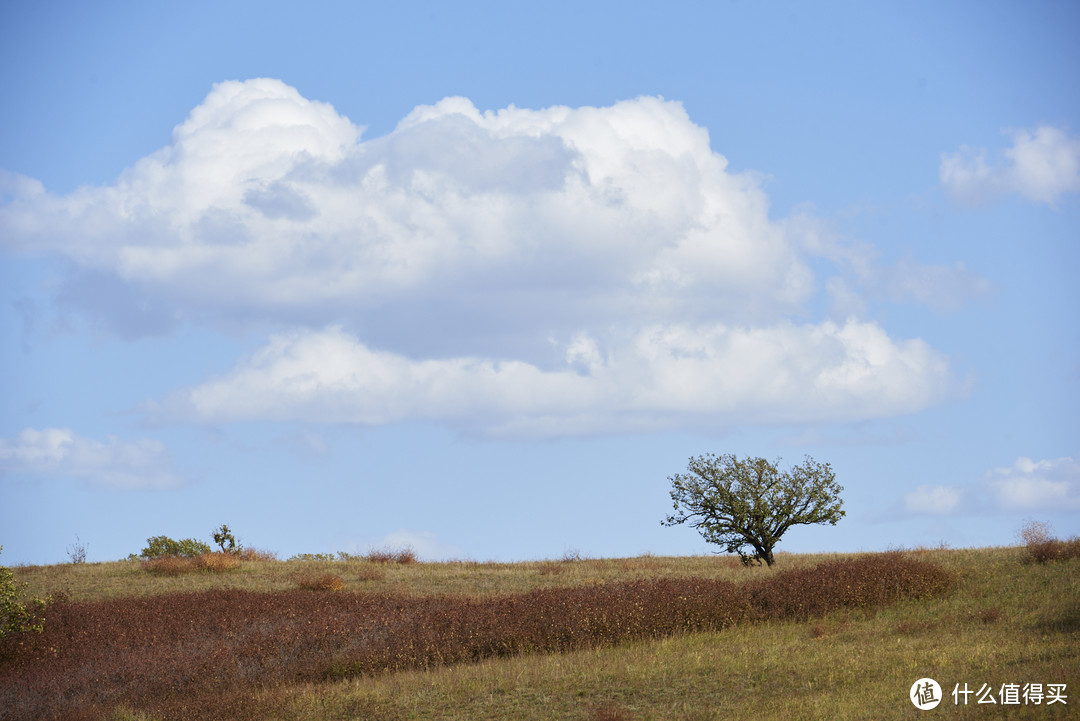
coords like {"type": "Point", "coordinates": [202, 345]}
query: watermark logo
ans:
{"type": "Point", "coordinates": [925, 694]}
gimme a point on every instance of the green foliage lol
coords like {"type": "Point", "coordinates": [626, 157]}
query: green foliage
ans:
{"type": "Point", "coordinates": [738, 503]}
{"type": "Point", "coordinates": [158, 546]}
{"type": "Point", "coordinates": [15, 617]}
{"type": "Point", "coordinates": [224, 538]}
{"type": "Point", "coordinates": [312, 557]}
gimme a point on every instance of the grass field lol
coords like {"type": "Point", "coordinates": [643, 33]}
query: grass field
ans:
{"type": "Point", "coordinates": [1003, 620]}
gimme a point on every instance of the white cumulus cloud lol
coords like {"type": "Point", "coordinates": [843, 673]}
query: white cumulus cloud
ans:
{"type": "Point", "coordinates": [1041, 165]}
{"type": "Point", "coordinates": [522, 272]}
{"type": "Point", "coordinates": [113, 463]}
{"type": "Point", "coordinates": [266, 202]}
{"type": "Point", "coordinates": [657, 377]}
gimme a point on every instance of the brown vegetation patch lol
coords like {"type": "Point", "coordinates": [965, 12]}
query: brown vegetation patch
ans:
{"type": "Point", "coordinates": [1043, 547]}
{"type": "Point", "coordinates": [178, 565]}
{"type": "Point", "coordinates": [222, 653]}
{"type": "Point", "coordinates": [255, 554]}
{"type": "Point", "coordinates": [389, 555]}
{"type": "Point", "coordinates": [371, 573]}
{"type": "Point", "coordinates": [550, 568]}
{"type": "Point", "coordinates": [861, 582]}
{"type": "Point", "coordinates": [320, 582]}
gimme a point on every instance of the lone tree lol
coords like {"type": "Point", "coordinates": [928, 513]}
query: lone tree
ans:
{"type": "Point", "coordinates": [737, 503]}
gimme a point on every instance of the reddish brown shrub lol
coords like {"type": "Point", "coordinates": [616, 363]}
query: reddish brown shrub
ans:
{"type": "Point", "coordinates": [255, 554]}
{"type": "Point", "coordinates": [170, 565]}
{"type": "Point", "coordinates": [1043, 547]}
{"type": "Point", "coordinates": [612, 712]}
{"type": "Point", "coordinates": [320, 582]}
{"type": "Point", "coordinates": [865, 581]}
{"type": "Point", "coordinates": [371, 574]}
{"type": "Point", "coordinates": [388, 555]}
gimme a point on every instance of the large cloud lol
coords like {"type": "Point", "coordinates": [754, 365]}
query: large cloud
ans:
{"type": "Point", "coordinates": [114, 463]}
{"type": "Point", "coordinates": [267, 202]}
{"type": "Point", "coordinates": [661, 377]}
{"type": "Point", "coordinates": [544, 272]}
{"type": "Point", "coordinates": [1041, 166]}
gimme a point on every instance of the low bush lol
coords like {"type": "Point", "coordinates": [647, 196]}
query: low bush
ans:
{"type": "Point", "coordinates": [313, 557]}
{"type": "Point", "coordinates": [77, 551]}
{"type": "Point", "coordinates": [159, 546]}
{"type": "Point", "coordinates": [320, 582]}
{"type": "Point", "coordinates": [255, 554]}
{"type": "Point", "coordinates": [389, 555]}
{"type": "Point", "coordinates": [865, 581]}
{"type": "Point", "coordinates": [15, 616]}
{"type": "Point", "coordinates": [371, 573]}
{"type": "Point", "coordinates": [1043, 547]}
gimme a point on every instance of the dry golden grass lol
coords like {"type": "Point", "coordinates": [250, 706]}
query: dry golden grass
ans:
{"type": "Point", "coordinates": [1007, 621]}
{"type": "Point", "coordinates": [99, 581]}
{"type": "Point", "coordinates": [849, 665]}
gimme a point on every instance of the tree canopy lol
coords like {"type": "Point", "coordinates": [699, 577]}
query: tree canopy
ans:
{"type": "Point", "coordinates": [738, 503]}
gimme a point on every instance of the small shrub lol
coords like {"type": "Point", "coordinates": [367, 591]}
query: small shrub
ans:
{"type": "Point", "coordinates": [15, 617]}
{"type": "Point", "coordinates": [990, 615]}
{"type": "Point", "coordinates": [389, 555]}
{"type": "Point", "coordinates": [159, 546]}
{"type": "Point", "coordinates": [312, 557]}
{"type": "Point", "coordinates": [77, 551]}
{"type": "Point", "coordinates": [320, 582]}
{"type": "Point", "coordinates": [224, 538]}
{"type": "Point", "coordinates": [255, 554]}
{"type": "Point", "coordinates": [1043, 547]}
{"type": "Point", "coordinates": [169, 565]}
{"type": "Point", "coordinates": [371, 573]}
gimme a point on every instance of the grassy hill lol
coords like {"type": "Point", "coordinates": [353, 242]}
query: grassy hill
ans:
{"type": "Point", "coordinates": [590, 640]}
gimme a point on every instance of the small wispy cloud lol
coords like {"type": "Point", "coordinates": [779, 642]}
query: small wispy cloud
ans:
{"type": "Point", "coordinates": [113, 463]}
{"type": "Point", "coordinates": [1041, 165]}
{"type": "Point", "coordinates": [864, 277]}
{"type": "Point", "coordinates": [426, 544]}
{"type": "Point", "coordinates": [1027, 485]}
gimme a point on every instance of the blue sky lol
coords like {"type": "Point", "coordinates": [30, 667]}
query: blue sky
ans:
{"type": "Point", "coordinates": [479, 278]}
